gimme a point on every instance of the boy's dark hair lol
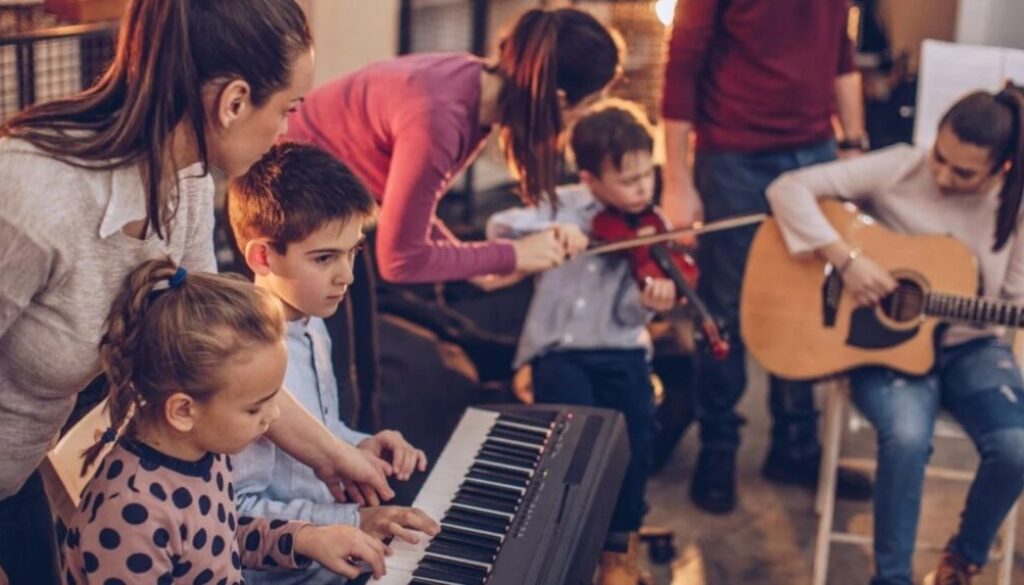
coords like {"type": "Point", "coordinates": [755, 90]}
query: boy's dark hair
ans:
{"type": "Point", "coordinates": [613, 128]}
{"type": "Point", "coordinates": [291, 192]}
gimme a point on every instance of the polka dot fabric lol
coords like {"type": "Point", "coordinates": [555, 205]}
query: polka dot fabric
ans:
{"type": "Point", "coordinates": [149, 518]}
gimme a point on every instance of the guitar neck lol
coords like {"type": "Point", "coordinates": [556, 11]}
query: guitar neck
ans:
{"type": "Point", "coordinates": [974, 309]}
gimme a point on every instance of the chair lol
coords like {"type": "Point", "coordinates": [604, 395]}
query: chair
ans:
{"type": "Point", "coordinates": [61, 470]}
{"type": "Point", "coordinates": [837, 411]}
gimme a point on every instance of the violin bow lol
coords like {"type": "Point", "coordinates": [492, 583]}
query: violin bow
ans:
{"type": "Point", "coordinates": [694, 229]}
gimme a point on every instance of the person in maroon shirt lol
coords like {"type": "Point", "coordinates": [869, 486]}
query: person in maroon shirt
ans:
{"type": "Point", "coordinates": [757, 83]}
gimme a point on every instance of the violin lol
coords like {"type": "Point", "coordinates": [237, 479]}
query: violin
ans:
{"type": "Point", "coordinates": [662, 259]}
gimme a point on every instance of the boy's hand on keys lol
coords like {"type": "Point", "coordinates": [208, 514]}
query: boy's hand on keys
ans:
{"type": "Point", "coordinates": [397, 521]}
{"type": "Point", "coordinates": [338, 547]}
{"type": "Point", "coordinates": [392, 446]}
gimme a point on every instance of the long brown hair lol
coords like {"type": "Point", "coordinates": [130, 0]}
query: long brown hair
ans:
{"type": "Point", "coordinates": [547, 51]}
{"type": "Point", "coordinates": [172, 332]}
{"type": "Point", "coordinates": [167, 50]}
{"type": "Point", "coordinates": [993, 121]}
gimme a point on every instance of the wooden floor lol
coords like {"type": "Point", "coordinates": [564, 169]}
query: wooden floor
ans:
{"type": "Point", "coordinates": [770, 538]}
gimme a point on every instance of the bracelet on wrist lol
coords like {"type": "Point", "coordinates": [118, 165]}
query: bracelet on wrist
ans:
{"type": "Point", "coordinates": [860, 143]}
{"type": "Point", "coordinates": [852, 255]}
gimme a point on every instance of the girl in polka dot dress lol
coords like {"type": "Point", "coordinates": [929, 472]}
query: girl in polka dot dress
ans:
{"type": "Point", "coordinates": [195, 363]}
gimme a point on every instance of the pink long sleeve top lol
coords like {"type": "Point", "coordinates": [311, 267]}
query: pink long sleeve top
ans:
{"type": "Point", "coordinates": [407, 127]}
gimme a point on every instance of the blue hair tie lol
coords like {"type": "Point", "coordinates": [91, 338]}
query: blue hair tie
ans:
{"type": "Point", "coordinates": [109, 435]}
{"type": "Point", "coordinates": [178, 278]}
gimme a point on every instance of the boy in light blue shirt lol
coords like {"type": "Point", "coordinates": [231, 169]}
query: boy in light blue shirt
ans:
{"type": "Point", "coordinates": [298, 217]}
{"type": "Point", "coordinates": [585, 335]}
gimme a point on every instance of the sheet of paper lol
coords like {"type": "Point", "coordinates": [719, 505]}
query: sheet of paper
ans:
{"type": "Point", "coordinates": [948, 72]}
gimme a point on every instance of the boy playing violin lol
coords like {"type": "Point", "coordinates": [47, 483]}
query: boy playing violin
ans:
{"type": "Point", "coordinates": [585, 334]}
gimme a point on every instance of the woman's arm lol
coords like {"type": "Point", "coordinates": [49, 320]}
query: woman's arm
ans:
{"type": "Point", "coordinates": [422, 155]}
{"type": "Point", "coordinates": [793, 196]}
{"type": "Point", "coordinates": [335, 462]}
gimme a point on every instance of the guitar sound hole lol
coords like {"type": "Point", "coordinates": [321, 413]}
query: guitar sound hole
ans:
{"type": "Point", "coordinates": [906, 303]}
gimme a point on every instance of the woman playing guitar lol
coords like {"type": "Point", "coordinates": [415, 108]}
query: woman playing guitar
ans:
{"type": "Point", "coordinates": [968, 185]}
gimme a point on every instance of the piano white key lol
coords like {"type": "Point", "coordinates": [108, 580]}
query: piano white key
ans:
{"type": "Point", "coordinates": [457, 560]}
{"type": "Point", "coordinates": [439, 490]}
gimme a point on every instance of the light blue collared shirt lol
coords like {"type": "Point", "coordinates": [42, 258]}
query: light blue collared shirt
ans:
{"type": "Point", "coordinates": [271, 483]}
{"type": "Point", "coordinates": [586, 303]}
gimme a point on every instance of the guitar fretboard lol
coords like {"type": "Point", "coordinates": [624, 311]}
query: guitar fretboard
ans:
{"type": "Point", "coordinates": [974, 309]}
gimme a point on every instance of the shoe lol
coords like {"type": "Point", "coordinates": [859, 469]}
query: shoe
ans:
{"type": "Point", "coordinates": [623, 568]}
{"type": "Point", "coordinates": [953, 569]}
{"type": "Point", "coordinates": [850, 485]}
{"type": "Point", "coordinates": [713, 487]}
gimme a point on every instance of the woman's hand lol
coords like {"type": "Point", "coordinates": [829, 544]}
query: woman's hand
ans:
{"type": "Point", "coordinates": [397, 521]}
{"type": "Point", "coordinates": [539, 251]}
{"type": "Point", "coordinates": [571, 237]}
{"type": "Point", "coordinates": [335, 547]}
{"type": "Point", "coordinates": [865, 280]}
{"type": "Point", "coordinates": [391, 446]}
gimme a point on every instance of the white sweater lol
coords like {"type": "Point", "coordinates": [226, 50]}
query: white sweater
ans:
{"type": "Point", "coordinates": [896, 187]}
{"type": "Point", "coordinates": [63, 259]}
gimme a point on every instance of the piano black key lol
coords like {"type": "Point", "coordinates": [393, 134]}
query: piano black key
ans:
{"type": "Point", "coordinates": [528, 448]}
{"type": "Point", "coordinates": [481, 502]}
{"type": "Point", "coordinates": [510, 474]}
{"type": "Point", "coordinates": [444, 577]}
{"type": "Point", "coordinates": [489, 493]}
{"type": "Point", "coordinates": [471, 553]}
{"type": "Point", "coordinates": [483, 511]}
{"type": "Point", "coordinates": [471, 519]}
{"type": "Point", "coordinates": [514, 435]}
{"type": "Point", "coordinates": [507, 459]}
{"type": "Point", "coordinates": [531, 457]}
{"type": "Point", "coordinates": [472, 538]}
{"type": "Point", "coordinates": [453, 567]}
{"type": "Point", "coordinates": [442, 555]}
{"type": "Point", "coordinates": [536, 418]}
{"type": "Point", "coordinates": [479, 545]}
{"type": "Point", "coordinates": [544, 432]}
{"type": "Point", "coordinates": [509, 470]}
{"type": "Point", "coordinates": [494, 485]}
{"type": "Point", "coordinates": [497, 478]}
{"type": "Point", "coordinates": [419, 581]}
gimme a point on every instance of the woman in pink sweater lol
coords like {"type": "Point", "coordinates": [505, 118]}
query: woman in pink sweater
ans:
{"type": "Point", "coordinates": [408, 126]}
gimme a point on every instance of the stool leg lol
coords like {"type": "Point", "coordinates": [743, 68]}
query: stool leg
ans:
{"type": "Point", "coordinates": [1005, 576]}
{"type": "Point", "coordinates": [826, 496]}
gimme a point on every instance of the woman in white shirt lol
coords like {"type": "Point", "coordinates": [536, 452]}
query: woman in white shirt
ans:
{"type": "Point", "coordinates": [93, 185]}
{"type": "Point", "coordinates": [968, 185]}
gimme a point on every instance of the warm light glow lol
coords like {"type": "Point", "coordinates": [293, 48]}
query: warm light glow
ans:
{"type": "Point", "coordinates": [665, 10]}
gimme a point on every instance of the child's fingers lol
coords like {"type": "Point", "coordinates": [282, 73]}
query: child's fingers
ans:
{"type": "Point", "coordinates": [421, 460]}
{"type": "Point", "coordinates": [418, 520]}
{"type": "Point", "coordinates": [354, 494]}
{"type": "Point", "coordinates": [396, 530]}
{"type": "Point", "coordinates": [368, 550]}
{"type": "Point", "coordinates": [341, 567]}
{"type": "Point", "coordinates": [338, 491]}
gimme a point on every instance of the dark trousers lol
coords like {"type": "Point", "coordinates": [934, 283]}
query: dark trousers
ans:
{"type": "Point", "coordinates": [28, 547]}
{"type": "Point", "coordinates": [733, 184]}
{"type": "Point", "coordinates": [616, 379]}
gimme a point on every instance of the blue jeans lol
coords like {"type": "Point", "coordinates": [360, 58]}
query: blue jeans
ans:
{"type": "Point", "coordinates": [979, 383]}
{"type": "Point", "coordinates": [619, 380]}
{"type": "Point", "coordinates": [733, 184]}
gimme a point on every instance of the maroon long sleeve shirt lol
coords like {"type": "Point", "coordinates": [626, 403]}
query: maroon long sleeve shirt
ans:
{"type": "Point", "coordinates": [755, 75]}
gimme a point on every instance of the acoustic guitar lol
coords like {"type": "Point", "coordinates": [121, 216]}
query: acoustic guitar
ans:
{"type": "Point", "coordinates": [799, 324]}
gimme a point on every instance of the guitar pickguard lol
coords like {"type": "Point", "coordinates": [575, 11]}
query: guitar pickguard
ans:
{"type": "Point", "coordinates": [868, 332]}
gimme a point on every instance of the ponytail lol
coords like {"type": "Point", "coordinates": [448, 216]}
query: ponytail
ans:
{"type": "Point", "coordinates": [183, 328]}
{"type": "Point", "coordinates": [548, 51]}
{"type": "Point", "coordinates": [1008, 216]}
